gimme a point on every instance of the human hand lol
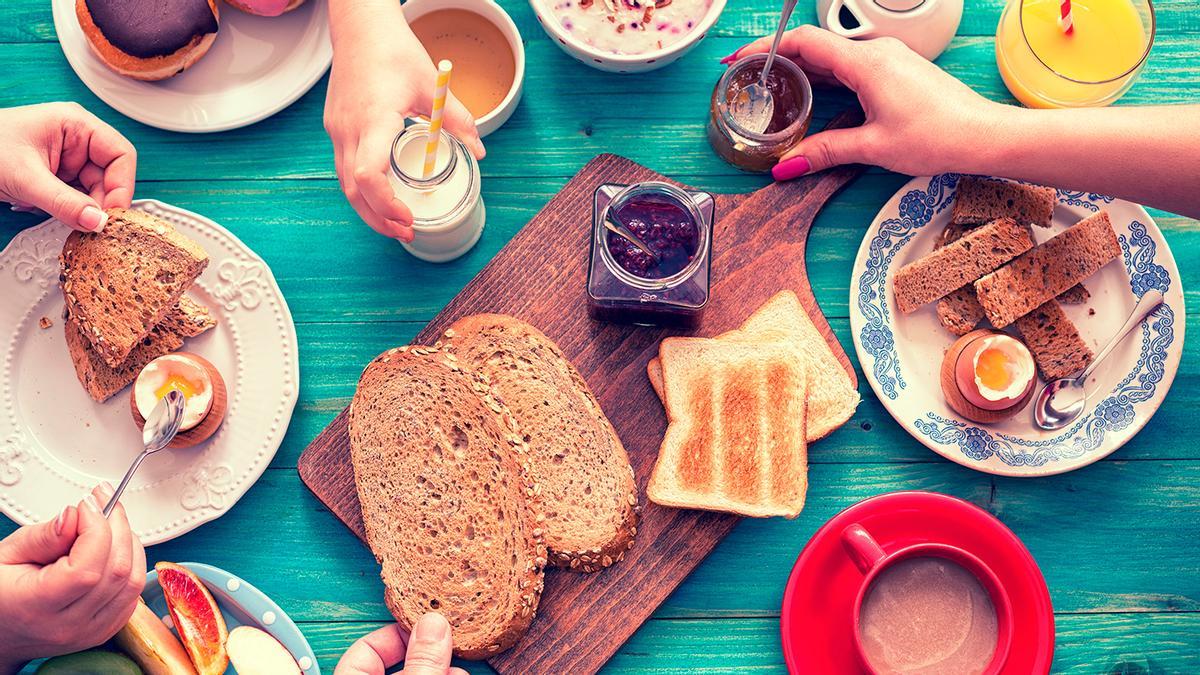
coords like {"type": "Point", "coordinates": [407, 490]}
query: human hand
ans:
{"type": "Point", "coordinates": [63, 160]}
{"type": "Point", "coordinates": [69, 584]}
{"type": "Point", "coordinates": [425, 652]}
{"type": "Point", "coordinates": [381, 75]}
{"type": "Point", "coordinates": [920, 120]}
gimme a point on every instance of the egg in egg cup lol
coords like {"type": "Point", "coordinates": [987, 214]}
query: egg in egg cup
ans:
{"type": "Point", "coordinates": [959, 370]}
{"type": "Point", "coordinates": [190, 373]}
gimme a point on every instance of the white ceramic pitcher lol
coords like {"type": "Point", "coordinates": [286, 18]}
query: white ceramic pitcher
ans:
{"type": "Point", "coordinates": [927, 26]}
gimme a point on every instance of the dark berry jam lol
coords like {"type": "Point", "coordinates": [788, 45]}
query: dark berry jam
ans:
{"type": "Point", "coordinates": [665, 227]}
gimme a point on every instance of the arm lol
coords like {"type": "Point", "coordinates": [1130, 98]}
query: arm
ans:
{"type": "Point", "coordinates": [922, 121]}
{"type": "Point", "coordinates": [381, 75]}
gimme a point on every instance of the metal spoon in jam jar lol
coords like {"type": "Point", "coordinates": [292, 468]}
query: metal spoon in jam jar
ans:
{"type": "Point", "coordinates": [615, 225]}
{"type": "Point", "coordinates": [754, 105]}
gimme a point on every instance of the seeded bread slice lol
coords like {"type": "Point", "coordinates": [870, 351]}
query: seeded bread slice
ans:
{"type": "Point", "coordinates": [450, 511]}
{"type": "Point", "coordinates": [959, 263]}
{"type": "Point", "coordinates": [1041, 274]}
{"type": "Point", "coordinates": [1055, 342]}
{"type": "Point", "coordinates": [588, 490]}
{"type": "Point", "coordinates": [101, 381]}
{"type": "Point", "coordinates": [121, 282]}
{"type": "Point", "coordinates": [981, 200]}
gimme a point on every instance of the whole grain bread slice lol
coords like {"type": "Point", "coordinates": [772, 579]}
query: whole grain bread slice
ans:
{"type": "Point", "coordinates": [588, 491]}
{"type": "Point", "coordinates": [101, 381]}
{"type": "Point", "coordinates": [736, 436]}
{"type": "Point", "coordinates": [980, 200]}
{"type": "Point", "coordinates": [959, 263]}
{"type": "Point", "coordinates": [1056, 344]}
{"type": "Point", "coordinates": [832, 398]}
{"type": "Point", "coordinates": [121, 282]}
{"type": "Point", "coordinates": [450, 511]}
{"type": "Point", "coordinates": [1042, 274]}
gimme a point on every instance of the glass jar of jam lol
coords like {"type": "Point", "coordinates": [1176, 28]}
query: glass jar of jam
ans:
{"type": "Point", "coordinates": [669, 288]}
{"type": "Point", "coordinates": [756, 145]}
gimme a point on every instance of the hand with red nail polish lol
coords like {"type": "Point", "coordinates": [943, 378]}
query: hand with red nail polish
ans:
{"type": "Point", "coordinates": [381, 75]}
{"type": "Point", "coordinates": [68, 584]}
{"type": "Point", "coordinates": [63, 160]}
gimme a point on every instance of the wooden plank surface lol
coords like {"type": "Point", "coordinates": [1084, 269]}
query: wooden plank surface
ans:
{"type": "Point", "coordinates": [1116, 540]}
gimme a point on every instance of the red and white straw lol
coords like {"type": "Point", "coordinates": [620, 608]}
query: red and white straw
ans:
{"type": "Point", "coordinates": [1064, 18]}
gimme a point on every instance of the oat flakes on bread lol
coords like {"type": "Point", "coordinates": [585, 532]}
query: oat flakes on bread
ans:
{"type": "Point", "coordinates": [121, 282]}
{"type": "Point", "coordinates": [588, 492]}
{"type": "Point", "coordinates": [980, 200]}
{"type": "Point", "coordinates": [832, 397]}
{"type": "Point", "coordinates": [101, 381]}
{"type": "Point", "coordinates": [450, 511]}
{"type": "Point", "coordinates": [736, 436]}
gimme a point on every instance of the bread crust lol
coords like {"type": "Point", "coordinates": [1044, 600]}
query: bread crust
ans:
{"type": "Point", "coordinates": [484, 333]}
{"type": "Point", "coordinates": [151, 69]}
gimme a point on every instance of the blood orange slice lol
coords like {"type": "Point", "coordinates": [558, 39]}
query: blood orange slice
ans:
{"type": "Point", "coordinates": [196, 616]}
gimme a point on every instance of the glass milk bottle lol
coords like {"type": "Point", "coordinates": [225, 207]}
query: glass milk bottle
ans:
{"type": "Point", "coordinates": [447, 208]}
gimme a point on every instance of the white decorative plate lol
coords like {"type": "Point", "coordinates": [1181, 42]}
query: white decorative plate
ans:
{"type": "Point", "coordinates": [56, 443]}
{"type": "Point", "coordinates": [256, 67]}
{"type": "Point", "coordinates": [901, 354]}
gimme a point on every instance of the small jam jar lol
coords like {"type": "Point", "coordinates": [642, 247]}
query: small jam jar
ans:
{"type": "Point", "coordinates": [759, 149]}
{"type": "Point", "coordinates": [626, 285]}
{"type": "Point", "coordinates": [447, 207]}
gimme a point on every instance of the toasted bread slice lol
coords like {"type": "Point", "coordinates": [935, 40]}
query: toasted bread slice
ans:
{"type": "Point", "coordinates": [121, 282]}
{"type": "Point", "coordinates": [981, 200]}
{"type": "Point", "coordinates": [588, 490]}
{"type": "Point", "coordinates": [832, 397]}
{"type": "Point", "coordinates": [1057, 347]}
{"type": "Point", "coordinates": [449, 509]}
{"type": "Point", "coordinates": [736, 431]}
{"type": "Point", "coordinates": [101, 381]}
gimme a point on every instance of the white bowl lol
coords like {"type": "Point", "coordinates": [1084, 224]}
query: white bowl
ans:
{"type": "Point", "coordinates": [489, 10]}
{"type": "Point", "coordinates": [623, 63]}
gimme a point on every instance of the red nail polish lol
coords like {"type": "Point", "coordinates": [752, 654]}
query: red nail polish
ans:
{"type": "Point", "coordinates": [732, 57]}
{"type": "Point", "coordinates": [791, 168]}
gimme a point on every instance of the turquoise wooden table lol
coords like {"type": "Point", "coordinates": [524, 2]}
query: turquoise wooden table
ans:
{"type": "Point", "coordinates": [1117, 541]}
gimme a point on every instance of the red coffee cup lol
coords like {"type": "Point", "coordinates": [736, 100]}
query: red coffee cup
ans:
{"type": "Point", "coordinates": [871, 560]}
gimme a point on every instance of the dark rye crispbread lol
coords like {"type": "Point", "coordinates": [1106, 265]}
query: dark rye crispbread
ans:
{"type": "Point", "coordinates": [101, 381]}
{"type": "Point", "coordinates": [981, 200]}
{"type": "Point", "coordinates": [959, 263]}
{"type": "Point", "coordinates": [450, 510]}
{"type": "Point", "coordinates": [1043, 273]}
{"type": "Point", "coordinates": [1055, 342]}
{"type": "Point", "coordinates": [588, 491]}
{"type": "Point", "coordinates": [121, 282]}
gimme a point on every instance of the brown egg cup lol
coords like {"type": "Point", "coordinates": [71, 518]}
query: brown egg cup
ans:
{"type": "Point", "coordinates": [954, 395]}
{"type": "Point", "coordinates": [211, 422]}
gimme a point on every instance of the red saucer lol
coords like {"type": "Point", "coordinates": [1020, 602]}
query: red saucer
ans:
{"type": "Point", "coordinates": [816, 617]}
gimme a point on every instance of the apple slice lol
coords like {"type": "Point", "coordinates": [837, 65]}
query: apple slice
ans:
{"type": "Point", "coordinates": [152, 645]}
{"type": "Point", "coordinates": [256, 652]}
{"type": "Point", "coordinates": [197, 618]}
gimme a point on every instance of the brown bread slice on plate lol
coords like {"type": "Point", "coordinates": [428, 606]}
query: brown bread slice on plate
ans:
{"type": "Point", "coordinates": [1043, 273]}
{"type": "Point", "coordinates": [120, 283]}
{"type": "Point", "coordinates": [832, 398]}
{"type": "Point", "coordinates": [450, 511]}
{"type": "Point", "coordinates": [100, 380]}
{"type": "Point", "coordinates": [1055, 342]}
{"type": "Point", "coordinates": [736, 431]}
{"type": "Point", "coordinates": [980, 200]}
{"type": "Point", "coordinates": [959, 263]}
{"type": "Point", "coordinates": [588, 493]}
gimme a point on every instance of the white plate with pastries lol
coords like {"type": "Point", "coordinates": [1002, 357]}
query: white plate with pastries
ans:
{"type": "Point", "coordinates": [255, 65]}
{"type": "Point", "coordinates": [901, 353]}
{"type": "Point", "coordinates": [56, 442]}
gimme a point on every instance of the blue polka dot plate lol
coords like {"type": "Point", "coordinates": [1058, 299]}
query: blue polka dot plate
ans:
{"type": "Point", "coordinates": [901, 354]}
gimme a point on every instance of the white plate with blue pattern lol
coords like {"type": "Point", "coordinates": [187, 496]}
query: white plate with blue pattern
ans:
{"type": "Point", "coordinates": [901, 354]}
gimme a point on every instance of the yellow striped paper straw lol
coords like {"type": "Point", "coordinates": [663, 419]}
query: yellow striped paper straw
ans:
{"type": "Point", "coordinates": [435, 117]}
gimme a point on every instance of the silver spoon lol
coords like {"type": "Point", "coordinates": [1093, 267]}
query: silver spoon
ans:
{"type": "Point", "coordinates": [1050, 414]}
{"type": "Point", "coordinates": [160, 429]}
{"type": "Point", "coordinates": [755, 103]}
{"type": "Point", "coordinates": [616, 226]}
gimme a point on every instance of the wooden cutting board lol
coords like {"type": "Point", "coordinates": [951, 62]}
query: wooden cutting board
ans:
{"type": "Point", "coordinates": [540, 277]}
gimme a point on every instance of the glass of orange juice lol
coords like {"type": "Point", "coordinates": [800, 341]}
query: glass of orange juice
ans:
{"type": "Point", "coordinates": [1093, 65]}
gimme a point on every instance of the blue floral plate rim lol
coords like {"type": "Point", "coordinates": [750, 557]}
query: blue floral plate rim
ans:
{"type": "Point", "coordinates": [1126, 393]}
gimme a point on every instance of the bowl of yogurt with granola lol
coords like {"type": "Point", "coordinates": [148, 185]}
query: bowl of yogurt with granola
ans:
{"type": "Point", "coordinates": [627, 36]}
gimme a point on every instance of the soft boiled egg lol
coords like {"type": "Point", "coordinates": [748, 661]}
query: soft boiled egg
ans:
{"type": "Point", "coordinates": [995, 372]}
{"type": "Point", "coordinates": [178, 372]}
